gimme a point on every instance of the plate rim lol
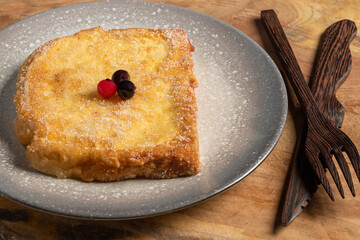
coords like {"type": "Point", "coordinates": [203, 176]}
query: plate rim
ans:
{"type": "Point", "coordinates": [205, 196]}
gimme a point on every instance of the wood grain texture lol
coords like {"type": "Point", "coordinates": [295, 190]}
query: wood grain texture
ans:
{"type": "Point", "coordinates": [331, 67]}
{"type": "Point", "coordinates": [323, 140]}
{"type": "Point", "coordinates": [248, 210]}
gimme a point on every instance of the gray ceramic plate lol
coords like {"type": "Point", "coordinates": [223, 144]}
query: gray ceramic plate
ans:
{"type": "Point", "coordinates": [241, 99]}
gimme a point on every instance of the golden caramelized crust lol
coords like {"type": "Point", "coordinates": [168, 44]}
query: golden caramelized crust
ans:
{"type": "Point", "coordinates": [72, 132]}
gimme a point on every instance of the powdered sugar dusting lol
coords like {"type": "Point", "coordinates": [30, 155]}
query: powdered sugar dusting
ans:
{"type": "Point", "coordinates": [241, 108]}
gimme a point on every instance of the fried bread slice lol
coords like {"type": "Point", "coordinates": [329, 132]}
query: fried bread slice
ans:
{"type": "Point", "coordinates": [70, 131]}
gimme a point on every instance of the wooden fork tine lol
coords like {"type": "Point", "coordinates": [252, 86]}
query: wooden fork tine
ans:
{"type": "Point", "coordinates": [353, 155]}
{"type": "Point", "coordinates": [345, 169]}
{"type": "Point", "coordinates": [334, 173]}
{"type": "Point", "coordinates": [318, 168]}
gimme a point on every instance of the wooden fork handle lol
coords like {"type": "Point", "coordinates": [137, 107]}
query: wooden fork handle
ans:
{"type": "Point", "coordinates": [288, 60]}
{"type": "Point", "coordinates": [332, 67]}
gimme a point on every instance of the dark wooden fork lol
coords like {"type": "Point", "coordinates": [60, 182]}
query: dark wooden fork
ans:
{"type": "Point", "coordinates": [323, 140]}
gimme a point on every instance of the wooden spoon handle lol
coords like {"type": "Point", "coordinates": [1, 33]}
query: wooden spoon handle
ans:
{"type": "Point", "coordinates": [288, 59]}
{"type": "Point", "coordinates": [333, 65]}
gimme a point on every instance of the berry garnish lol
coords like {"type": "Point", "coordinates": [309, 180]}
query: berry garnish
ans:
{"type": "Point", "coordinates": [119, 76]}
{"type": "Point", "coordinates": [106, 88]}
{"type": "Point", "coordinates": [120, 82]}
{"type": "Point", "coordinates": [126, 89]}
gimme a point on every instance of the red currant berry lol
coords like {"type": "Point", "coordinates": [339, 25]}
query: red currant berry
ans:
{"type": "Point", "coordinates": [106, 88]}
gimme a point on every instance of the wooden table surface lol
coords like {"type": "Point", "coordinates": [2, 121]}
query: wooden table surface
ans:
{"type": "Point", "coordinates": [249, 209]}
